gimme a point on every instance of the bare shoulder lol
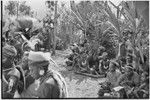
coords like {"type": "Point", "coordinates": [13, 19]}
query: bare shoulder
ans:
{"type": "Point", "coordinates": [50, 81]}
{"type": "Point", "coordinates": [136, 74]}
{"type": "Point", "coordinates": [118, 72]}
{"type": "Point", "coordinates": [47, 84]}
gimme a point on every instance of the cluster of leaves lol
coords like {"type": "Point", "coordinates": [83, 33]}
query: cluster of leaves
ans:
{"type": "Point", "coordinates": [94, 24]}
{"type": "Point", "coordinates": [50, 5]}
{"type": "Point", "coordinates": [108, 41]}
{"type": "Point", "coordinates": [96, 19]}
{"type": "Point", "coordinates": [25, 9]}
{"type": "Point", "coordinates": [22, 8]}
{"type": "Point", "coordinates": [11, 7]}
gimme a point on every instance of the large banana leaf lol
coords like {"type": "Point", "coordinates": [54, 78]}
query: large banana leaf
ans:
{"type": "Point", "coordinates": [142, 8]}
{"type": "Point", "coordinates": [112, 18]}
{"type": "Point", "coordinates": [76, 13]}
{"type": "Point", "coordinates": [137, 25]}
{"type": "Point", "coordinates": [130, 13]}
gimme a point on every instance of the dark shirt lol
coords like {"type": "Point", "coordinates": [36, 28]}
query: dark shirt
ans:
{"type": "Point", "coordinates": [133, 80]}
{"type": "Point", "coordinates": [93, 61]}
{"type": "Point", "coordinates": [48, 89]}
{"type": "Point", "coordinates": [123, 50]}
{"type": "Point", "coordinates": [48, 86]}
{"type": "Point", "coordinates": [51, 86]}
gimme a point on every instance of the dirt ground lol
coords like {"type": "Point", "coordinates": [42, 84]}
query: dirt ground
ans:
{"type": "Point", "coordinates": [79, 86]}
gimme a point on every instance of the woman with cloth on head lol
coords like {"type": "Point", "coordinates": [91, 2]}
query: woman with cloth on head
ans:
{"type": "Point", "coordinates": [111, 79]}
{"type": "Point", "coordinates": [8, 54]}
{"type": "Point", "coordinates": [48, 83]}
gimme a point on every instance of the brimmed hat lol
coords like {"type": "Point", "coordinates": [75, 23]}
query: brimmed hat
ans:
{"type": "Point", "coordinates": [9, 51]}
{"type": "Point", "coordinates": [102, 48]}
{"type": "Point", "coordinates": [38, 58]}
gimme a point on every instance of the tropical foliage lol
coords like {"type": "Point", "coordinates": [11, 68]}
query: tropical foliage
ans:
{"type": "Point", "coordinates": [98, 22]}
{"type": "Point", "coordinates": [20, 8]}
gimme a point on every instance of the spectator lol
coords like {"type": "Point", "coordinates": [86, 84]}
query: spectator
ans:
{"type": "Point", "coordinates": [50, 84]}
{"type": "Point", "coordinates": [8, 54]}
{"type": "Point", "coordinates": [130, 79]}
{"type": "Point", "coordinates": [113, 74]}
{"type": "Point", "coordinates": [111, 79]}
{"type": "Point", "coordinates": [143, 90]}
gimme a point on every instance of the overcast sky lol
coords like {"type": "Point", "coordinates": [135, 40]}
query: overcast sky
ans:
{"type": "Point", "coordinates": [40, 7]}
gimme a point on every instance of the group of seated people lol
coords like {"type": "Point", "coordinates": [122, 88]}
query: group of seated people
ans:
{"type": "Point", "coordinates": [93, 61]}
{"type": "Point", "coordinates": [135, 85]}
{"type": "Point", "coordinates": [132, 76]}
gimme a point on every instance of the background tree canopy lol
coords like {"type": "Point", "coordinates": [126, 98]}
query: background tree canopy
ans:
{"type": "Point", "coordinates": [22, 7]}
{"type": "Point", "coordinates": [98, 22]}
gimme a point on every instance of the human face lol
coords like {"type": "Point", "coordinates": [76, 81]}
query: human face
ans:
{"type": "Point", "coordinates": [128, 71]}
{"type": "Point", "coordinates": [129, 60]}
{"type": "Point", "coordinates": [34, 71]}
{"type": "Point", "coordinates": [143, 77]}
{"type": "Point", "coordinates": [4, 59]}
{"type": "Point", "coordinates": [111, 67]}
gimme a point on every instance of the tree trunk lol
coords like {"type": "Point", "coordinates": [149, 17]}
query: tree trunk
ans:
{"type": "Point", "coordinates": [17, 9]}
{"type": "Point", "coordinates": [121, 51]}
{"type": "Point", "coordinates": [50, 32]}
{"type": "Point", "coordinates": [55, 29]}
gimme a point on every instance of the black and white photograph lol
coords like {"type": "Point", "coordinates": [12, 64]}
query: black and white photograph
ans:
{"type": "Point", "coordinates": [76, 49]}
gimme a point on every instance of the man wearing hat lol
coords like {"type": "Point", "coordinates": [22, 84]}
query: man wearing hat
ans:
{"type": "Point", "coordinates": [49, 83]}
{"type": "Point", "coordinates": [130, 60]}
{"type": "Point", "coordinates": [113, 74]}
{"type": "Point", "coordinates": [129, 79]}
{"type": "Point", "coordinates": [8, 54]}
{"type": "Point", "coordinates": [111, 78]}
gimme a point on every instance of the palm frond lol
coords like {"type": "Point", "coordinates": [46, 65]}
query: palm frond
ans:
{"type": "Point", "coordinates": [113, 19]}
{"type": "Point", "coordinates": [130, 13]}
{"type": "Point", "coordinates": [75, 12]}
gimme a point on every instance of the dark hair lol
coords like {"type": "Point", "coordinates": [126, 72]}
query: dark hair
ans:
{"type": "Point", "coordinates": [130, 65]}
{"type": "Point", "coordinates": [147, 80]}
{"type": "Point", "coordinates": [39, 63]}
{"type": "Point", "coordinates": [114, 63]}
{"type": "Point", "coordinates": [12, 42]}
{"type": "Point", "coordinates": [3, 39]}
{"type": "Point", "coordinates": [45, 67]}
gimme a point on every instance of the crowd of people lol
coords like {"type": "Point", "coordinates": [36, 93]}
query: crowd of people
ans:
{"type": "Point", "coordinates": [26, 73]}
{"type": "Point", "coordinates": [89, 61]}
{"type": "Point", "coordinates": [122, 71]}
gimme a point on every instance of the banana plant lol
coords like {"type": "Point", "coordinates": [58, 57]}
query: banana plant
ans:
{"type": "Point", "coordinates": [133, 23]}
{"type": "Point", "coordinates": [130, 21]}
{"type": "Point", "coordinates": [137, 25]}
{"type": "Point", "coordinates": [76, 13]}
{"type": "Point", "coordinates": [113, 21]}
{"type": "Point", "coordinates": [85, 16]}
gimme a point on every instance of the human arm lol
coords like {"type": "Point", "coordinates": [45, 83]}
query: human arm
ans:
{"type": "Point", "coordinates": [136, 80]}
{"type": "Point", "coordinates": [120, 80]}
